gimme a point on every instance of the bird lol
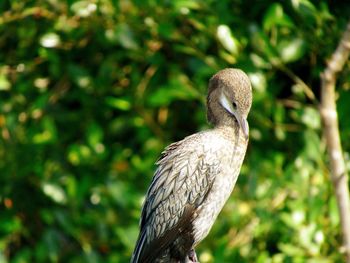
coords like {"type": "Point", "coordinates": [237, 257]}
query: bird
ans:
{"type": "Point", "coordinates": [195, 176]}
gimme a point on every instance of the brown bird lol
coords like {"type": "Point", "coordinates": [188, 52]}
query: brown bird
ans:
{"type": "Point", "coordinates": [196, 175]}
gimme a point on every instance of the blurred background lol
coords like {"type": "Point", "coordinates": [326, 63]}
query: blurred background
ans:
{"type": "Point", "coordinates": [92, 91]}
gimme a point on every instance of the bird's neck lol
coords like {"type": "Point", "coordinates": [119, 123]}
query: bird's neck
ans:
{"type": "Point", "coordinates": [227, 125]}
{"type": "Point", "coordinates": [229, 129]}
{"type": "Point", "coordinates": [226, 121]}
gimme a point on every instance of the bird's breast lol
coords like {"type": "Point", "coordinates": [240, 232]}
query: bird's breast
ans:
{"type": "Point", "coordinates": [230, 156]}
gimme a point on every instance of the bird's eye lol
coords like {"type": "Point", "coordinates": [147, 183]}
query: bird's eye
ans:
{"type": "Point", "coordinates": [234, 104]}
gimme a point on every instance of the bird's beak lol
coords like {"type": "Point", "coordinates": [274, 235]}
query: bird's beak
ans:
{"type": "Point", "coordinates": [243, 123]}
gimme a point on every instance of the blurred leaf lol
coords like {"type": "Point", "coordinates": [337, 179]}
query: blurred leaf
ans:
{"type": "Point", "coordinates": [311, 118]}
{"type": "Point", "coordinates": [305, 8]}
{"type": "Point", "coordinates": [275, 16]}
{"type": "Point", "coordinates": [290, 249]}
{"type": "Point", "coordinates": [51, 239]}
{"type": "Point", "coordinates": [166, 30]}
{"type": "Point", "coordinates": [94, 134]}
{"type": "Point", "coordinates": [118, 103]}
{"type": "Point", "coordinates": [126, 37]}
{"type": "Point", "coordinates": [291, 51]}
{"type": "Point", "coordinates": [78, 154]}
{"type": "Point", "coordinates": [48, 133]}
{"type": "Point", "coordinates": [80, 75]}
{"type": "Point", "coordinates": [4, 83]}
{"type": "Point", "coordinates": [83, 8]}
{"type": "Point", "coordinates": [11, 226]}
{"type": "Point", "coordinates": [55, 192]}
{"type": "Point", "coordinates": [333, 212]}
{"type": "Point", "coordinates": [50, 40]}
{"type": "Point", "coordinates": [182, 5]}
{"type": "Point", "coordinates": [227, 39]}
{"type": "Point", "coordinates": [262, 44]}
{"type": "Point", "coordinates": [2, 258]}
{"type": "Point", "coordinates": [175, 90]}
{"type": "Point", "coordinates": [258, 81]}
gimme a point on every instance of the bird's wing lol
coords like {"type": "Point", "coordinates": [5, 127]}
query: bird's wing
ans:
{"type": "Point", "coordinates": [180, 185]}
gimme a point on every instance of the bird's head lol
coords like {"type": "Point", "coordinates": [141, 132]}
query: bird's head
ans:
{"type": "Point", "coordinates": [229, 98]}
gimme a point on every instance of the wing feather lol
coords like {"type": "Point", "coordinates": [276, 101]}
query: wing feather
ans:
{"type": "Point", "coordinates": [179, 186]}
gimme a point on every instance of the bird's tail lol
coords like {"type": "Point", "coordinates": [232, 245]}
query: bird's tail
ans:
{"type": "Point", "coordinates": [138, 248]}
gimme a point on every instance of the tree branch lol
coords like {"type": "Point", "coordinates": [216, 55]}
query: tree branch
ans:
{"type": "Point", "coordinates": [339, 175]}
{"type": "Point", "coordinates": [306, 89]}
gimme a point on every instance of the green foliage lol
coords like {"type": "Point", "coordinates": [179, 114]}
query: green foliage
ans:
{"type": "Point", "coordinates": [92, 91]}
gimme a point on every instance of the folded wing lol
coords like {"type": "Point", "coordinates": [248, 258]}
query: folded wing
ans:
{"type": "Point", "coordinates": [179, 187]}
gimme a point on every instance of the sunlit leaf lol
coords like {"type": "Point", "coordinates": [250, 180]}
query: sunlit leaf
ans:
{"type": "Point", "coordinates": [50, 40]}
{"type": "Point", "coordinates": [83, 8]}
{"type": "Point", "coordinates": [48, 133]}
{"type": "Point", "coordinates": [227, 39]}
{"type": "Point", "coordinates": [258, 81]}
{"type": "Point", "coordinates": [118, 103]}
{"type": "Point", "coordinates": [78, 154]}
{"type": "Point", "coordinates": [4, 83]}
{"type": "Point", "coordinates": [291, 51]}
{"type": "Point", "coordinates": [311, 118]}
{"type": "Point", "coordinates": [55, 192]}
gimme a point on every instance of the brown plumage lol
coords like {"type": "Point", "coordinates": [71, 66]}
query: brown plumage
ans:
{"type": "Point", "coordinates": [196, 175]}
